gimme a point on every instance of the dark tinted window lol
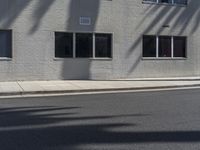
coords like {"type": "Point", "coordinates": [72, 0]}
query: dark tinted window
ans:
{"type": "Point", "coordinates": [103, 45]}
{"type": "Point", "coordinates": [179, 46]}
{"type": "Point", "coordinates": [184, 2]}
{"type": "Point", "coordinates": [165, 1]}
{"type": "Point", "coordinates": [150, 0]}
{"type": "Point", "coordinates": [63, 44]}
{"type": "Point", "coordinates": [5, 43]}
{"type": "Point", "coordinates": [84, 45]}
{"type": "Point", "coordinates": [149, 46]}
{"type": "Point", "coordinates": [164, 46]}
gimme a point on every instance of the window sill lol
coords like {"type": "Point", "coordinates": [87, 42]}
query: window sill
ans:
{"type": "Point", "coordinates": [165, 58]}
{"type": "Point", "coordinates": [165, 4]}
{"type": "Point", "coordinates": [103, 58]}
{"type": "Point", "coordinates": [57, 58]}
{"type": "Point", "coordinates": [5, 59]}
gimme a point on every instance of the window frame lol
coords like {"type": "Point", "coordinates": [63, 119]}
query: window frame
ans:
{"type": "Point", "coordinates": [111, 45]}
{"type": "Point", "coordinates": [186, 45]}
{"type": "Point", "coordinates": [93, 48]}
{"type": "Point", "coordinates": [11, 45]}
{"type": "Point", "coordinates": [55, 44]}
{"type": "Point", "coordinates": [172, 47]}
{"type": "Point", "coordinates": [154, 44]}
{"type": "Point", "coordinates": [160, 3]}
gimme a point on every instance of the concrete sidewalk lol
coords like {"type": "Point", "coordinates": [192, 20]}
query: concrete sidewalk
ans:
{"type": "Point", "coordinates": [77, 86]}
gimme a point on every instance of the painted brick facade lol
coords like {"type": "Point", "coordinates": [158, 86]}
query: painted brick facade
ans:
{"type": "Point", "coordinates": [34, 22]}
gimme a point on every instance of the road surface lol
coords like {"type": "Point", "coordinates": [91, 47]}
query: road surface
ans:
{"type": "Point", "coordinates": [162, 120]}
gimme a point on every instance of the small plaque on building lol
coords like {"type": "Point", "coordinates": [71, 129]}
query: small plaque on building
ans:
{"type": "Point", "coordinates": [85, 21]}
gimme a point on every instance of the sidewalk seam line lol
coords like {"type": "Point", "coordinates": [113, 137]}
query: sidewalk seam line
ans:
{"type": "Point", "coordinates": [21, 87]}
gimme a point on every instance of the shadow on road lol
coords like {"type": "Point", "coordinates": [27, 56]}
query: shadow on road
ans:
{"type": "Point", "coordinates": [31, 128]}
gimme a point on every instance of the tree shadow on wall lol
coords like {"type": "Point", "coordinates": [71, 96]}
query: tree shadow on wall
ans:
{"type": "Point", "coordinates": [10, 11]}
{"type": "Point", "coordinates": [182, 19]}
{"type": "Point", "coordinates": [79, 68]}
{"type": "Point", "coordinates": [41, 10]}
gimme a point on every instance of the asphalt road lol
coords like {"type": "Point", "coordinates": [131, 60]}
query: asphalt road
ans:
{"type": "Point", "coordinates": [165, 120]}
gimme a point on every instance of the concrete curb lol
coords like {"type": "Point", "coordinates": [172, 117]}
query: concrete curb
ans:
{"type": "Point", "coordinates": [24, 93]}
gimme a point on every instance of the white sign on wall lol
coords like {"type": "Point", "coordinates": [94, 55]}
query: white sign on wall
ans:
{"type": "Point", "coordinates": [85, 21]}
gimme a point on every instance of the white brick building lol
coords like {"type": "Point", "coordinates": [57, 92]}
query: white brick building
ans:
{"type": "Point", "coordinates": [98, 39]}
